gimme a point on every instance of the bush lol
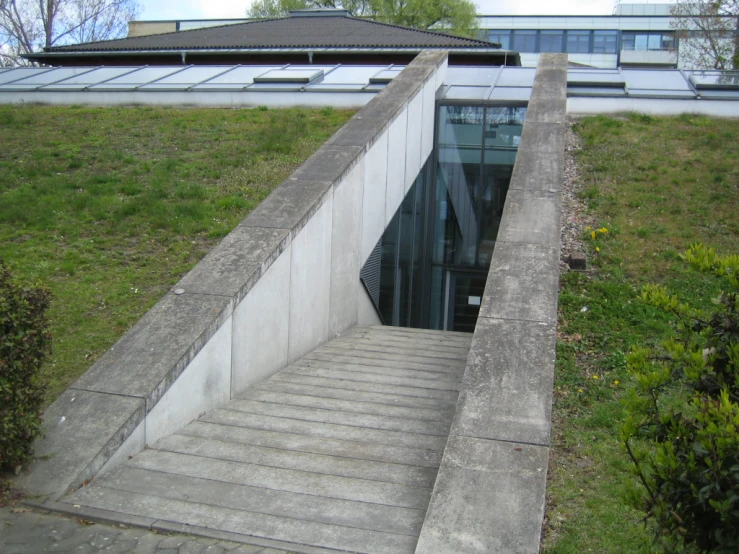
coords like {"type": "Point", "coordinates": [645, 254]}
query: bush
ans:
{"type": "Point", "coordinates": [24, 343]}
{"type": "Point", "coordinates": [682, 427]}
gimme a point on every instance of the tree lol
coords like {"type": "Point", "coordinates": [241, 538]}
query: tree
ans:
{"type": "Point", "coordinates": [707, 30]}
{"type": "Point", "coordinates": [26, 26]}
{"type": "Point", "coordinates": [456, 16]}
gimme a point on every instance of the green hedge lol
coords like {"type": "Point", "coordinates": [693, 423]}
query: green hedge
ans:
{"type": "Point", "coordinates": [25, 341]}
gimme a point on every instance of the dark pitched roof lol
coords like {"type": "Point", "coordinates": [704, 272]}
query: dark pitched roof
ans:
{"type": "Point", "coordinates": [291, 32]}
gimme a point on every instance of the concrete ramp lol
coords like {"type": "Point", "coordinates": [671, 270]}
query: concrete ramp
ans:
{"type": "Point", "coordinates": [339, 451]}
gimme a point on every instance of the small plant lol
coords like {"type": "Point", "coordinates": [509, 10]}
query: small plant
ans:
{"type": "Point", "coordinates": [682, 428]}
{"type": "Point", "coordinates": [596, 235]}
{"type": "Point", "coordinates": [25, 341]}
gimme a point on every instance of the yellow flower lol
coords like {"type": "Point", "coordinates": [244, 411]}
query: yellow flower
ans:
{"type": "Point", "coordinates": [592, 235]}
{"type": "Point", "coordinates": [595, 376]}
{"type": "Point", "coordinates": [579, 390]}
{"type": "Point", "coordinates": [615, 383]}
{"type": "Point", "coordinates": [603, 230]}
{"type": "Point", "coordinates": [597, 248]}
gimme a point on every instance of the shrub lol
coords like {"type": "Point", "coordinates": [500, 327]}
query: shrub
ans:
{"type": "Point", "coordinates": [682, 427]}
{"type": "Point", "coordinates": [24, 343]}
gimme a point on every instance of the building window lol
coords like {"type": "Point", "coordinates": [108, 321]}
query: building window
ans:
{"type": "Point", "coordinates": [501, 37]}
{"type": "Point", "coordinates": [604, 42]}
{"type": "Point", "coordinates": [578, 42]}
{"type": "Point", "coordinates": [551, 41]}
{"type": "Point", "coordinates": [648, 41]}
{"type": "Point", "coordinates": [524, 41]}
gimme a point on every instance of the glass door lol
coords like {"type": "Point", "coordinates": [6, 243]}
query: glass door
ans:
{"type": "Point", "coordinates": [464, 292]}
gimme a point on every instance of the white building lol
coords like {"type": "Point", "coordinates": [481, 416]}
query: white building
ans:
{"type": "Point", "coordinates": [636, 35]}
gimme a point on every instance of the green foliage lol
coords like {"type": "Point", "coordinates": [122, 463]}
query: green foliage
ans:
{"type": "Point", "coordinates": [682, 427]}
{"type": "Point", "coordinates": [456, 16]}
{"type": "Point", "coordinates": [24, 343]}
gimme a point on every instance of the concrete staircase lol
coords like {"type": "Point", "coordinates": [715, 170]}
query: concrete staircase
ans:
{"type": "Point", "coordinates": [337, 452]}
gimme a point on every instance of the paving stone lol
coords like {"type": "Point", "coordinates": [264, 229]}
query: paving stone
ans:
{"type": "Point", "coordinates": [246, 549]}
{"type": "Point", "coordinates": [172, 542]}
{"type": "Point", "coordinates": [200, 547]}
{"type": "Point", "coordinates": [121, 546]}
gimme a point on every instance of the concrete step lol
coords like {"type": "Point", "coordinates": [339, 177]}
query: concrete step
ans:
{"type": "Point", "coordinates": [337, 452]}
{"type": "Point", "coordinates": [355, 405]}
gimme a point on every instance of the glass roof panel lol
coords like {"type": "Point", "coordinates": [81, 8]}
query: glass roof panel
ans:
{"type": "Point", "coordinates": [516, 77]}
{"type": "Point", "coordinates": [52, 76]}
{"type": "Point", "coordinates": [278, 86]}
{"type": "Point", "coordinates": [715, 79]}
{"type": "Point", "coordinates": [596, 91]}
{"type": "Point", "coordinates": [474, 76]}
{"type": "Point", "coordinates": [604, 78]}
{"type": "Point", "coordinates": [193, 75]}
{"type": "Point", "coordinates": [661, 93]}
{"type": "Point", "coordinates": [333, 87]}
{"type": "Point", "coordinates": [141, 77]}
{"type": "Point", "coordinates": [289, 75]}
{"type": "Point", "coordinates": [727, 94]}
{"type": "Point", "coordinates": [97, 76]}
{"type": "Point", "coordinates": [350, 75]}
{"type": "Point", "coordinates": [240, 75]}
{"type": "Point", "coordinates": [510, 94]}
{"type": "Point", "coordinates": [654, 79]}
{"type": "Point", "coordinates": [459, 92]}
{"type": "Point", "coordinates": [22, 73]}
{"type": "Point", "coordinates": [386, 75]}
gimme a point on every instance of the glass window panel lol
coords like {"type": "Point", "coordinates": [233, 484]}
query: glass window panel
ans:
{"type": "Point", "coordinates": [524, 41]}
{"type": "Point", "coordinates": [585, 77]}
{"type": "Point", "coordinates": [724, 94]}
{"type": "Point", "coordinates": [551, 41]}
{"type": "Point", "coordinates": [578, 41]}
{"type": "Point", "coordinates": [604, 42]}
{"type": "Point", "coordinates": [516, 77]}
{"type": "Point", "coordinates": [501, 37]}
{"type": "Point", "coordinates": [628, 41]}
{"type": "Point", "coordinates": [275, 86]}
{"type": "Point", "coordinates": [662, 93]}
{"type": "Point", "coordinates": [654, 42]}
{"type": "Point", "coordinates": [641, 42]}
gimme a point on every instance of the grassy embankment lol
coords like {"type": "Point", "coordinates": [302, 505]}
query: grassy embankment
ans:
{"type": "Point", "coordinates": [657, 185]}
{"type": "Point", "coordinates": [110, 207]}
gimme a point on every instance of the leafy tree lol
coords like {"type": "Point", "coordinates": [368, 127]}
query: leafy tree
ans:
{"type": "Point", "coordinates": [682, 427]}
{"type": "Point", "coordinates": [456, 16]}
{"type": "Point", "coordinates": [26, 26]}
{"type": "Point", "coordinates": [707, 30]}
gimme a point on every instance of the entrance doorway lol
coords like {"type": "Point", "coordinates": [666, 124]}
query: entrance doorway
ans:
{"type": "Point", "coordinates": [464, 290]}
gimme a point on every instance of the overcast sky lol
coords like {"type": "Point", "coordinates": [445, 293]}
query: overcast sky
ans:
{"type": "Point", "coordinates": [212, 9]}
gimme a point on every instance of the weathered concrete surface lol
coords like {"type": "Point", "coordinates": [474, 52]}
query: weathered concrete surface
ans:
{"type": "Point", "coordinates": [490, 493]}
{"type": "Point", "coordinates": [489, 497]}
{"type": "Point", "coordinates": [334, 463]}
{"type": "Point", "coordinates": [88, 427]}
{"type": "Point", "coordinates": [511, 369]}
{"type": "Point", "coordinates": [149, 357]}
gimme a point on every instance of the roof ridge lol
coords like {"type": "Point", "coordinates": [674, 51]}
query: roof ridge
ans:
{"type": "Point", "coordinates": [425, 31]}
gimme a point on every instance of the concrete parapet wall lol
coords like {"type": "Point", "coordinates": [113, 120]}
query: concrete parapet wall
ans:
{"type": "Point", "coordinates": [490, 492]}
{"type": "Point", "coordinates": [279, 285]}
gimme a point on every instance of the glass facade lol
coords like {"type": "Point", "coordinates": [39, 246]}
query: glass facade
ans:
{"type": "Point", "coordinates": [581, 41]}
{"type": "Point", "coordinates": [434, 257]}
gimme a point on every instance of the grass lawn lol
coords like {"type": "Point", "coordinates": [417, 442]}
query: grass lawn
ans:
{"type": "Point", "coordinates": [657, 185]}
{"type": "Point", "coordinates": [109, 207]}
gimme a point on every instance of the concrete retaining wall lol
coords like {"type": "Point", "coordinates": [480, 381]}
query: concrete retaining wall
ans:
{"type": "Point", "coordinates": [490, 492]}
{"type": "Point", "coordinates": [282, 283]}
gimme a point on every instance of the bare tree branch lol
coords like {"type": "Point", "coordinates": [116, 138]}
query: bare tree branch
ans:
{"type": "Point", "coordinates": [707, 30]}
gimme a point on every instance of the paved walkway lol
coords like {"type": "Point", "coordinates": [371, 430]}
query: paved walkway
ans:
{"type": "Point", "coordinates": [27, 531]}
{"type": "Point", "coordinates": [338, 451]}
